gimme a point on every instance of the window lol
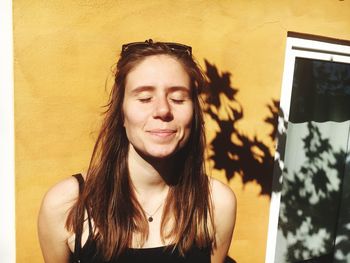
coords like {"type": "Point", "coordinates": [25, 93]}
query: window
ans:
{"type": "Point", "coordinates": [309, 218]}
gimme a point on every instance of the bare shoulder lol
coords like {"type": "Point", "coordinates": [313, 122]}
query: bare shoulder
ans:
{"type": "Point", "coordinates": [57, 203]}
{"type": "Point", "coordinates": [224, 211]}
{"type": "Point", "coordinates": [61, 195]}
{"type": "Point", "coordinates": [55, 207]}
{"type": "Point", "coordinates": [223, 197]}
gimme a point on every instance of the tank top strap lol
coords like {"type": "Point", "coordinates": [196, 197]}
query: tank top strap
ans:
{"type": "Point", "coordinates": [80, 225]}
{"type": "Point", "coordinates": [80, 180]}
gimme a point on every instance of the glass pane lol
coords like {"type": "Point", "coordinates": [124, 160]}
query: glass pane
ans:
{"type": "Point", "coordinates": [321, 91]}
{"type": "Point", "coordinates": [315, 154]}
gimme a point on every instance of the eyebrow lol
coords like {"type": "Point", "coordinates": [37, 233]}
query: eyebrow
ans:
{"type": "Point", "coordinates": [141, 89]}
{"type": "Point", "coordinates": [179, 88]}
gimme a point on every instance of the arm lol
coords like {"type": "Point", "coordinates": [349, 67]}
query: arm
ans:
{"type": "Point", "coordinates": [52, 232]}
{"type": "Point", "coordinates": [225, 204]}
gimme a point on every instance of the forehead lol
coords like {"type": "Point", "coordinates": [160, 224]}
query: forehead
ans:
{"type": "Point", "coordinates": [158, 70]}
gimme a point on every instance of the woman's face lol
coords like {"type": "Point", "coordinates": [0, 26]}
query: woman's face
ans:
{"type": "Point", "coordinates": [158, 107]}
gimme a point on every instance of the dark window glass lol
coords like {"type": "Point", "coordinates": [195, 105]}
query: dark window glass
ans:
{"type": "Point", "coordinates": [321, 91]}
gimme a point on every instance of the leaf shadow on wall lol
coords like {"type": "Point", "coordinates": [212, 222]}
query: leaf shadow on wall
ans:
{"type": "Point", "coordinates": [231, 149]}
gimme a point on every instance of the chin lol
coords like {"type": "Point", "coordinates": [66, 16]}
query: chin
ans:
{"type": "Point", "coordinates": [160, 156]}
{"type": "Point", "coordinates": [162, 153]}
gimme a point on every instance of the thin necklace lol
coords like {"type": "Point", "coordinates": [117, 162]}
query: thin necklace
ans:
{"type": "Point", "coordinates": [150, 216]}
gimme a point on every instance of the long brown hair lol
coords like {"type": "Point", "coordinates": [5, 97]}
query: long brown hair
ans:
{"type": "Point", "coordinates": [108, 194]}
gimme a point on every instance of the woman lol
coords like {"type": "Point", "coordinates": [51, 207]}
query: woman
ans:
{"type": "Point", "coordinates": [145, 197]}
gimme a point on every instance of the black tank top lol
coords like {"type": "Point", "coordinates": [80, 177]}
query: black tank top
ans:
{"type": "Point", "coordinates": [89, 254]}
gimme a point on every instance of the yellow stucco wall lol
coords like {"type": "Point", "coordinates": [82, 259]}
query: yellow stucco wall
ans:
{"type": "Point", "coordinates": [63, 54]}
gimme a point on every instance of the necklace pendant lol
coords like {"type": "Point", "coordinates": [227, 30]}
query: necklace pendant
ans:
{"type": "Point", "coordinates": [150, 219]}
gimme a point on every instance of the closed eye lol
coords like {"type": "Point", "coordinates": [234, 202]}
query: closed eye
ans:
{"type": "Point", "coordinates": [178, 101]}
{"type": "Point", "coordinates": [145, 100]}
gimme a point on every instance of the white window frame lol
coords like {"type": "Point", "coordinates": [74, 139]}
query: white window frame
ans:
{"type": "Point", "coordinates": [304, 46]}
{"type": "Point", "coordinates": [7, 162]}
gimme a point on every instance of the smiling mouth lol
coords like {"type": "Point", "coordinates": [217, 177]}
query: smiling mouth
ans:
{"type": "Point", "coordinates": [162, 132]}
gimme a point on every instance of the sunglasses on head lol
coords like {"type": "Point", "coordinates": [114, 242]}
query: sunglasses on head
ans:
{"type": "Point", "coordinates": [175, 47]}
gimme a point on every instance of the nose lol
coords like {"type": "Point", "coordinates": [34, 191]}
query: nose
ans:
{"type": "Point", "coordinates": [162, 110]}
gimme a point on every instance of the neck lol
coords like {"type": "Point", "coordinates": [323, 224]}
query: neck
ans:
{"type": "Point", "coordinates": [148, 176]}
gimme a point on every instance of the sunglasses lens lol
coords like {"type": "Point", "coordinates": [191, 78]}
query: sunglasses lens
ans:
{"type": "Point", "coordinates": [179, 47]}
{"type": "Point", "coordinates": [141, 45]}
{"type": "Point", "coordinates": [134, 45]}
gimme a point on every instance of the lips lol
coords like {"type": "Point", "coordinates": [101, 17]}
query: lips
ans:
{"type": "Point", "coordinates": [162, 133]}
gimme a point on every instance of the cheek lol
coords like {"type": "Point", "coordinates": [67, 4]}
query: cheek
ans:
{"type": "Point", "coordinates": [187, 119]}
{"type": "Point", "coordinates": [127, 114]}
{"type": "Point", "coordinates": [133, 118]}
{"type": "Point", "coordinates": [188, 129]}
{"type": "Point", "coordinates": [127, 118]}
{"type": "Point", "coordinates": [130, 126]}
{"type": "Point", "coordinates": [129, 121]}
